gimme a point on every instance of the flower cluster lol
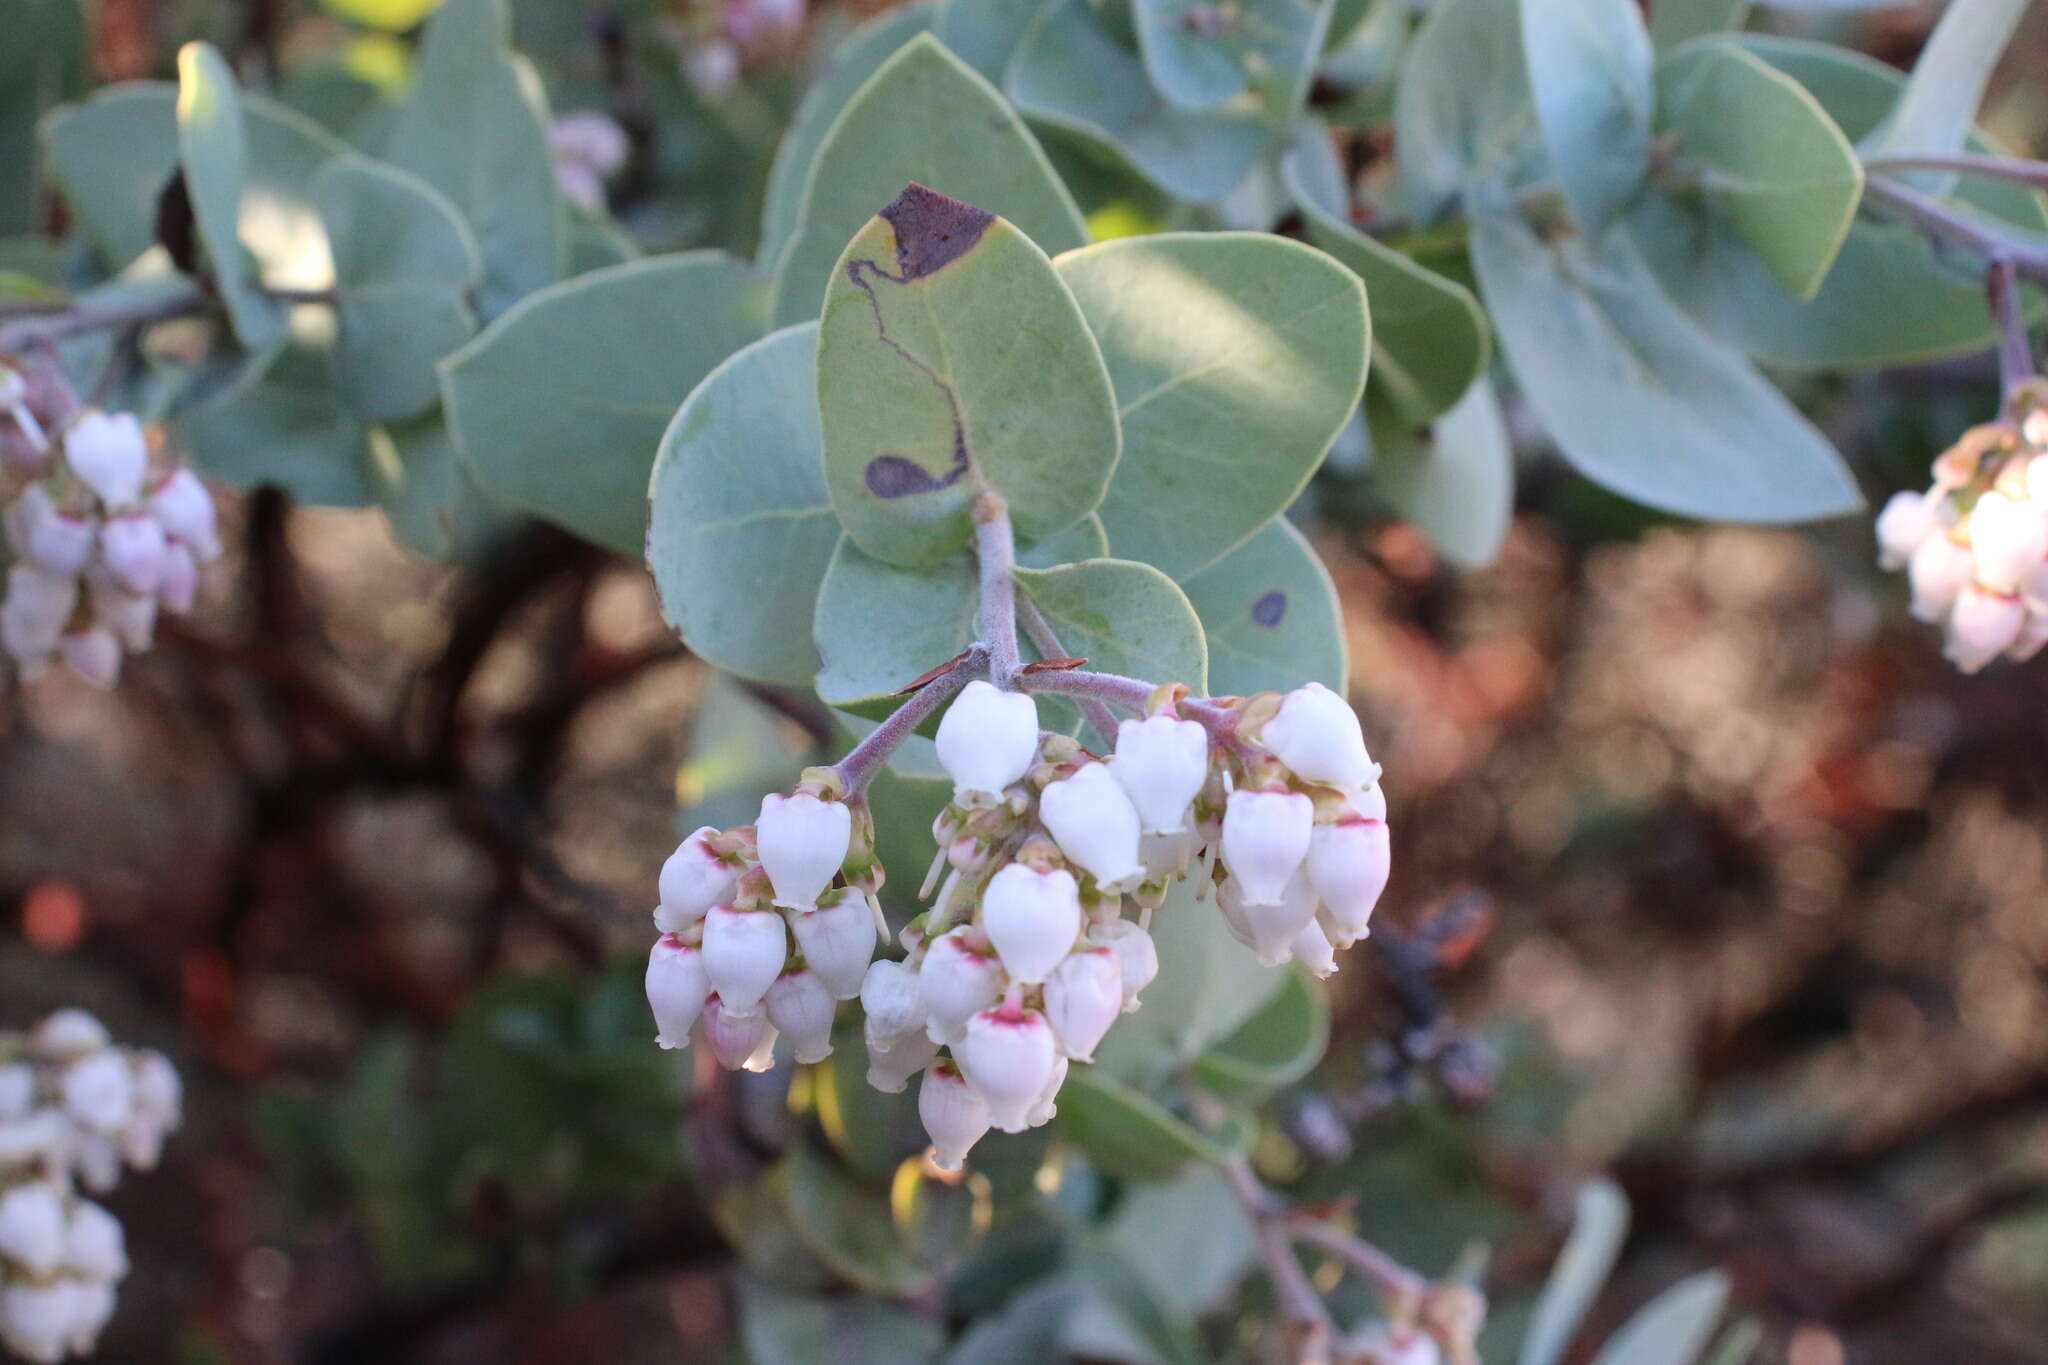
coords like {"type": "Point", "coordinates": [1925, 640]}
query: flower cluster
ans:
{"type": "Point", "coordinates": [1975, 544]}
{"type": "Point", "coordinates": [719, 34]}
{"type": "Point", "coordinates": [74, 1108]}
{"type": "Point", "coordinates": [588, 148]}
{"type": "Point", "coordinates": [1050, 865]}
{"type": "Point", "coordinates": [102, 541]}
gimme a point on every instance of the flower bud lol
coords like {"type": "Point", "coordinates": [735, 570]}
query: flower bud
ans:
{"type": "Point", "coordinates": [955, 1115]}
{"type": "Point", "coordinates": [1095, 826]}
{"type": "Point", "coordinates": [988, 740]}
{"type": "Point", "coordinates": [893, 999]}
{"type": "Point", "coordinates": [1137, 956]}
{"type": "Point", "coordinates": [46, 537]}
{"type": "Point", "coordinates": [693, 880]}
{"type": "Point", "coordinates": [32, 1226]}
{"type": "Point", "coordinates": [1008, 1056]}
{"type": "Point", "coordinates": [838, 941]}
{"type": "Point", "coordinates": [738, 1042]}
{"type": "Point", "coordinates": [1043, 1109]}
{"type": "Point", "coordinates": [1387, 1345]}
{"type": "Point", "coordinates": [109, 455]}
{"type": "Point", "coordinates": [132, 547]}
{"type": "Point", "coordinates": [94, 1245]}
{"type": "Point", "coordinates": [1317, 735]}
{"type": "Point", "coordinates": [184, 507]}
{"type": "Point", "coordinates": [892, 1064]}
{"type": "Point", "coordinates": [802, 842]}
{"type": "Point", "coordinates": [2008, 537]}
{"type": "Point", "coordinates": [159, 1094]}
{"type": "Point", "coordinates": [180, 585]}
{"type": "Point", "coordinates": [38, 607]}
{"type": "Point", "coordinates": [1937, 571]}
{"type": "Point", "coordinates": [1311, 948]}
{"type": "Point", "coordinates": [801, 1008]}
{"type": "Point", "coordinates": [93, 654]}
{"type": "Point", "coordinates": [1908, 518]}
{"type": "Point", "coordinates": [17, 1090]}
{"type": "Point", "coordinates": [1265, 838]}
{"type": "Point", "coordinates": [130, 616]}
{"type": "Point", "coordinates": [1269, 929]}
{"type": "Point", "coordinates": [1161, 764]}
{"type": "Point", "coordinates": [1348, 865]}
{"type": "Point", "coordinates": [958, 981]}
{"type": "Point", "coordinates": [1083, 997]}
{"type": "Point", "coordinates": [92, 1305]}
{"type": "Point", "coordinates": [676, 989]}
{"type": "Point", "coordinates": [743, 954]}
{"type": "Point", "coordinates": [1982, 625]}
{"type": "Point", "coordinates": [68, 1034]}
{"type": "Point", "coordinates": [38, 1322]}
{"type": "Point", "coordinates": [40, 1136]}
{"type": "Point", "coordinates": [1032, 918]}
{"type": "Point", "coordinates": [98, 1091]}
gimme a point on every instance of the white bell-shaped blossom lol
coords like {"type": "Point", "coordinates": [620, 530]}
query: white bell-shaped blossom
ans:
{"type": "Point", "coordinates": [132, 547]}
{"type": "Point", "coordinates": [801, 1007]}
{"type": "Point", "coordinates": [892, 997]}
{"type": "Point", "coordinates": [38, 1137]}
{"type": "Point", "coordinates": [1096, 826]}
{"type": "Point", "coordinates": [39, 1321]}
{"type": "Point", "coordinates": [1083, 997]}
{"type": "Point", "coordinates": [1348, 864]}
{"type": "Point", "coordinates": [17, 1089]}
{"type": "Point", "coordinates": [67, 1034]}
{"type": "Point", "coordinates": [1008, 1056]}
{"type": "Point", "coordinates": [954, 1114]}
{"type": "Point", "coordinates": [1161, 763]}
{"type": "Point", "coordinates": [744, 951]}
{"type": "Point", "coordinates": [1044, 1109]}
{"type": "Point", "coordinates": [1032, 918]}
{"type": "Point", "coordinates": [1317, 735]}
{"type": "Point", "coordinates": [92, 1306]}
{"type": "Point", "coordinates": [802, 842]}
{"type": "Point", "coordinates": [1265, 838]}
{"type": "Point", "coordinates": [676, 989]}
{"type": "Point", "coordinates": [958, 981]}
{"type": "Point", "coordinates": [1311, 948]}
{"type": "Point", "coordinates": [98, 1091]}
{"type": "Point", "coordinates": [1937, 572]}
{"type": "Point", "coordinates": [892, 1064]}
{"type": "Point", "coordinates": [738, 1042]}
{"type": "Point", "coordinates": [186, 510]}
{"type": "Point", "coordinates": [693, 879]}
{"type": "Point", "coordinates": [179, 587]}
{"type": "Point", "coordinates": [94, 654]}
{"type": "Point", "coordinates": [159, 1094]}
{"type": "Point", "coordinates": [1907, 519]}
{"type": "Point", "coordinates": [1981, 626]}
{"type": "Point", "coordinates": [38, 607]}
{"type": "Point", "coordinates": [109, 454]}
{"type": "Point", "coordinates": [94, 1245]}
{"type": "Point", "coordinates": [47, 537]}
{"type": "Point", "coordinates": [33, 1226]}
{"type": "Point", "coordinates": [1384, 1345]}
{"type": "Point", "coordinates": [131, 616]}
{"type": "Point", "coordinates": [2009, 538]}
{"type": "Point", "coordinates": [1268, 928]}
{"type": "Point", "coordinates": [838, 941]}
{"type": "Point", "coordinates": [1137, 956]}
{"type": "Point", "coordinates": [987, 741]}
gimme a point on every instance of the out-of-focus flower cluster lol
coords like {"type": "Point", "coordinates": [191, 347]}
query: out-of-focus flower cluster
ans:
{"type": "Point", "coordinates": [74, 1110]}
{"type": "Point", "coordinates": [103, 537]}
{"type": "Point", "coordinates": [717, 36]}
{"type": "Point", "coordinates": [588, 148]}
{"type": "Point", "coordinates": [1051, 863]}
{"type": "Point", "coordinates": [1975, 544]}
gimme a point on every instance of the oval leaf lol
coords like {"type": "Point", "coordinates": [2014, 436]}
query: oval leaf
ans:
{"type": "Point", "coordinates": [1598, 1230]}
{"type": "Point", "coordinates": [1275, 1047]}
{"type": "Point", "coordinates": [212, 149]}
{"type": "Point", "coordinates": [1456, 480]}
{"type": "Point", "coordinates": [951, 359]}
{"type": "Point", "coordinates": [1236, 357]}
{"type": "Point", "coordinates": [560, 404]}
{"type": "Point", "coordinates": [740, 530]}
{"type": "Point", "coordinates": [1674, 1327]}
{"type": "Point", "coordinates": [1123, 618]}
{"type": "Point", "coordinates": [1124, 1133]}
{"type": "Point", "coordinates": [1462, 103]}
{"type": "Point", "coordinates": [1270, 614]}
{"type": "Point", "coordinates": [1589, 73]}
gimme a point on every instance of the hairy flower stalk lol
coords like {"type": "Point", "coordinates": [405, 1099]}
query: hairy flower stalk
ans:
{"type": "Point", "coordinates": [75, 1108]}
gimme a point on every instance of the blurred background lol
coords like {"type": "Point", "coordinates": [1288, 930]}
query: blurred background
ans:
{"type": "Point", "coordinates": [1709, 873]}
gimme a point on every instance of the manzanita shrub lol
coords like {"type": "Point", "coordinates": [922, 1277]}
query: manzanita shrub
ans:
{"type": "Point", "coordinates": [977, 409]}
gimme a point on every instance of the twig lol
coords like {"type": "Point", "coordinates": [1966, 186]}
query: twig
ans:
{"type": "Point", "coordinates": [995, 549]}
{"type": "Point", "coordinates": [2015, 352]}
{"type": "Point", "coordinates": [79, 320]}
{"type": "Point", "coordinates": [1130, 693]}
{"type": "Point", "coordinates": [1309, 1327]}
{"type": "Point", "coordinates": [867, 757]}
{"type": "Point", "coordinates": [1397, 1284]}
{"type": "Point", "coordinates": [1967, 163]}
{"type": "Point", "coordinates": [1048, 646]}
{"type": "Point", "coordinates": [1964, 229]}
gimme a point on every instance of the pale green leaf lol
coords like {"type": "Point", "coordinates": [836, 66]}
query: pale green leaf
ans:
{"type": "Point", "coordinates": [1456, 480]}
{"type": "Point", "coordinates": [1125, 1133]}
{"type": "Point", "coordinates": [1581, 1269]}
{"type": "Point", "coordinates": [1123, 618]}
{"type": "Point", "coordinates": [1200, 56]}
{"type": "Point", "coordinates": [1674, 1327]}
{"type": "Point", "coordinates": [46, 58]}
{"type": "Point", "coordinates": [849, 1228]}
{"type": "Point", "coordinates": [985, 33]}
{"type": "Point", "coordinates": [1463, 101]}
{"type": "Point", "coordinates": [1676, 21]}
{"type": "Point", "coordinates": [1276, 1046]}
{"type": "Point", "coordinates": [1637, 397]}
{"type": "Point", "coordinates": [213, 151]}
{"type": "Point", "coordinates": [281, 424]}
{"type": "Point", "coordinates": [924, 117]}
{"type": "Point", "coordinates": [780, 1328]}
{"type": "Point", "coordinates": [430, 497]}
{"type": "Point", "coordinates": [404, 265]}
{"type": "Point", "coordinates": [560, 404]}
{"type": "Point", "coordinates": [1271, 616]}
{"type": "Point", "coordinates": [740, 531]}
{"type": "Point", "coordinates": [1236, 359]}
{"type": "Point", "coordinates": [1935, 113]}
{"type": "Point", "coordinates": [1589, 73]}
{"type": "Point", "coordinates": [951, 359]}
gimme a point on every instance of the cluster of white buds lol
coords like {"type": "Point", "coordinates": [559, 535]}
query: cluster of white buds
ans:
{"type": "Point", "coordinates": [74, 1109]}
{"type": "Point", "coordinates": [101, 540]}
{"type": "Point", "coordinates": [1050, 865]}
{"type": "Point", "coordinates": [1975, 544]}
{"type": "Point", "coordinates": [588, 149]}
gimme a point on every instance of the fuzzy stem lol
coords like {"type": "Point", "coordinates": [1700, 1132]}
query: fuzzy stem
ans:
{"type": "Point", "coordinates": [1979, 234]}
{"type": "Point", "coordinates": [1048, 646]}
{"type": "Point", "coordinates": [1396, 1283]}
{"type": "Point", "coordinates": [1967, 163]}
{"type": "Point", "coordinates": [2015, 352]}
{"type": "Point", "coordinates": [995, 548]}
{"type": "Point", "coordinates": [173, 302]}
{"type": "Point", "coordinates": [1310, 1329]}
{"type": "Point", "coordinates": [866, 758]}
{"type": "Point", "coordinates": [1130, 693]}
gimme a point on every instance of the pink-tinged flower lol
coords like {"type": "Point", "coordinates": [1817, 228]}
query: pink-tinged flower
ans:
{"type": "Point", "coordinates": [1982, 626]}
{"type": "Point", "coordinates": [1008, 1056]}
{"type": "Point", "coordinates": [744, 951]}
{"type": "Point", "coordinates": [955, 1115]}
{"type": "Point", "coordinates": [93, 654]}
{"type": "Point", "coordinates": [53, 540]}
{"type": "Point", "coordinates": [1348, 865]}
{"type": "Point", "coordinates": [801, 1007]}
{"type": "Point", "coordinates": [1317, 735]}
{"type": "Point", "coordinates": [1032, 918]}
{"type": "Point", "coordinates": [1083, 997]}
{"type": "Point", "coordinates": [180, 585]}
{"type": "Point", "coordinates": [185, 508]}
{"type": "Point", "coordinates": [108, 453]}
{"type": "Point", "coordinates": [1161, 763]}
{"type": "Point", "coordinates": [2009, 538]}
{"type": "Point", "coordinates": [1096, 827]}
{"type": "Point", "coordinates": [132, 547]}
{"type": "Point", "coordinates": [892, 997]}
{"type": "Point", "coordinates": [838, 941]}
{"type": "Point", "coordinates": [1265, 838]}
{"type": "Point", "coordinates": [1137, 956]}
{"type": "Point", "coordinates": [1311, 948]}
{"type": "Point", "coordinates": [802, 842]}
{"type": "Point", "coordinates": [1907, 519]}
{"type": "Point", "coordinates": [693, 879]}
{"type": "Point", "coordinates": [738, 1042]}
{"type": "Point", "coordinates": [892, 1064]}
{"type": "Point", "coordinates": [1268, 928]}
{"type": "Point", "coordinates": [1937, 571]}
{"type": "Point", "coordinates": [958, 979]}
{"type": "Point", "coordinates": [676, 989]}
{"type": "Point", "coordinates": [32, 1225]}
{"type": "Point", "coordinates": [987, 741]}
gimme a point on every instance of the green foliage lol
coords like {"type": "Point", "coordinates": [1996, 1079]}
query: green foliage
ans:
{"type": "Point", "coordinates": [1275, 1047]}
{"type": "Point", "coordinates": [1581, 1269]}
{"type": "Point", "coordinates": [1270, 614]}
{"type": "Point", "coordinates": [1589, 74]}
{"type": "Point", "coordinates": [212, 152]}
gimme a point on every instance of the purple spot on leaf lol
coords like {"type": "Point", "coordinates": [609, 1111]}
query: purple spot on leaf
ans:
{"type": "Point", "coordinates": [893, 476]}
{"type": "Point", "coordinates": [1269, 610]}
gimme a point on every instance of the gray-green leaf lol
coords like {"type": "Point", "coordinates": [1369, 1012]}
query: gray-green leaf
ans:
{"type": "Point", "coordinates": [1455, 481]}
{"type": "Point", "coordinates": [1589, 72]}
{"type": "Point", "coordinates": [1674, 1327]}
{"type": "Point", "coordinates": [1123, 618]}
{"type": "Point", "coordinates": [1462, 103]}
{"type": "Point", "coordinates": [1271, 616]}
{"type": "Point", "coordinates": [212, 149]}
{"type": "Point", "coordinates": [1582, 1267]}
